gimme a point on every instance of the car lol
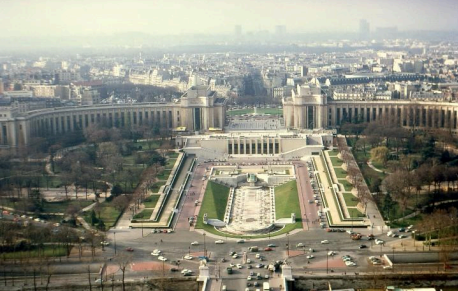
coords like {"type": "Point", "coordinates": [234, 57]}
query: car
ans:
{"type": "Point", "coordinates": [186, 271]}
{"type": "Point", "coordinates": [402, 229]}
{"type": "Point", "coordinates": [249, 267]}
{"type": "Point", "coordinates": [235, 256]}
{"type": "Point", "coordinates": [129, 249]}
{"type": "Point", "coordinates": [272, 245]}
{"type": "Point", "coordinates": [173, 269]}
{"type": "Point", "coordinates": [311, 250]}
{"type": "Point", "coordinates": [350, 264]}
{"type": "Point", "coordinates": [239, 266]}
{"type": "Point", "coordinates": [255, 284]}
{"type": "Point", "coordinates": [240, 241]}
{"type": "Point", "coordinates": [268, 249]}
{"type": "Point", "coordinates": [248, 261]}
{"type": "Point", "coordinates": [251, 273]}
{"type": "Point", "coordinates": [310, 256]}
{"type": "Point", "coordinates": [376, 262]}
{"type": "Point", "coordinates": [362, 246]}
{"type": "Point", "coordinates": [350, 232]}
{"type": "Point", "coordinates": [387, 267]}
{"type": "Point", "coordinates": [259, 266]}
{"type": "Point", "coordinates": [331, 253]}
{"type": "Point", "coordinates": [219, 242]}
{"type": "Point", "coordinates": [249, 278]}
{"type": "Point", "coordinates": [379, 242]}
{"type": "Point", "coordinates": [104, 243]}
{"type": "Point", "coordinates": [231, 265]}
{"type": "Point", "coordinates": [325, 241]}
{"type": "Point", "coordinates": [195, 243]}
{"type": "Point", "coordinates": [266, 276]}
{"type": "Point", "coordinates": [187, 274]}
{"type": "Point", "coordinates": [402, 236]}
{"type": "Point", "coordinates": [347, 259]}
{"type": "Point", "coordinates": [156, 252]}
{"type": "Point", "coordinates": [161, 258]}
{"type": "Point", "coordinates": [300, 245]}
{"type": "Point", "coordinates": [258, 256]}
{"type": "Point", "coordinates": [231, 253]}
{"type": "Point", "coordinates": [188, 257]}
{"type": "Point", "coordinates": [169, 230]}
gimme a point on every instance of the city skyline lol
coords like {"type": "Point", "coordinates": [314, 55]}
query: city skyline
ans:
{"type": "Point", "coordinates": [41, 19]}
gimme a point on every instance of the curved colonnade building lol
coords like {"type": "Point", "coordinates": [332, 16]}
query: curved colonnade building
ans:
{"type": "Point", "coordinates": [200, 110]}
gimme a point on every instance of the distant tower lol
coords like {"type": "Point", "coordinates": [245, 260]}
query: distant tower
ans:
{"type": "Point", "coordinates": [238, 31]}
{"type": "Point", "coordinates": [364, 29]}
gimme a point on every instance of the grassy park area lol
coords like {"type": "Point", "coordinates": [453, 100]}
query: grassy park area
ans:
{"type": "Point", "coordinates": [214, 203]}
{"type": "Point", "coordinates": [47, 251]}
{"type": "Point", "coordinates": [350, 199]}
{"type": "Point", "coordinates": [271, 111]}
{"type": "Point", "coordinates": [144, 214]}
{"type": "Point", "coordinates": [151, 201]}
{"type": "Point", "coordinates": [287, 202]}
{"type": "Point", "coordinates": [108, 213]}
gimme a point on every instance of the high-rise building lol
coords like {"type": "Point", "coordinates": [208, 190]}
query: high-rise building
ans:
{"type": "Point", "coordinates": [238, 31]}
{"type": "Point", "coordinates": [364, 29]}
{"type": "Point", "coordinates": [1, 86]}
{"type": "Point", "coordinates": [280, 30]}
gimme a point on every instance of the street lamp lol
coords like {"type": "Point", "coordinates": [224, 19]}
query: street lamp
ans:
{"type": "Point", "coordinates": [205, 249]}
{"type": "Point", "coordinates": [327, 260]}
{"type": "Point", "coordinates": [287, 245]}
{"type": "Point", "coordinates": [114, 235]}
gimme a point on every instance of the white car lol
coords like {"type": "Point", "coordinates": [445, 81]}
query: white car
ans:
{"type": "Point", "coordinates": [350, 264]}
{"type": "Point", "coordinates": [156, 252]}
{"type": "Point", "coordinates": [300, 245]}
{"type": "Point", "coordinates": [310, 256]}
{"type": "Point", "coordinates": [105, 243]}
{"type": "Point", "coordinates": [161, 258]}
{"type": "Point", "coordinates": [249, 278]}
{"type": "Point", "coordinates": [240, 241]}
{"type": "Point", "coordinates": [379, 242]}
{"type": "Point", "coordinates": [188, 257]}
{"type": "Point", "coordinates": [258, 256]}
{"type": "Point", "coordinates": [184, 271]}
{"type": "Point", "coordinates": [331, 253]}
{"type": "Point", "coordinates": [248, 261]}
{"type": "Point", "coordinates": [195, 243]}
{"type": "Point", "coordinates": [235, 256]}
{"type": "Point", "coordinates": [219, 242]}
{"type": "Point", "coordinates": [325, 241]}
{"type": "Point", "coordinates": [239, 266]}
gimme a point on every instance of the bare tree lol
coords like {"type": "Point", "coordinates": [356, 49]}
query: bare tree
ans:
{"type": "Point", "coordinates": [123, 260]}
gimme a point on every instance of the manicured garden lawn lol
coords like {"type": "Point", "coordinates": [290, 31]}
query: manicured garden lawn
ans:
{"type": "Point", "coordinates": [350, 199]}
{"type": "Point", "coordinates": [287, 202]}
{"type": "Point", "coordinates": [156, 186]}
{"type": "Point", "coordinates": [347, 185]}
{"type": "Point", "coordinates": [172, 155]}
{"type": "Point", "coordinates": [240, 112]}
{"type": "Point", "coordinates": [170, 162]}
{"type": "Point", "coordinates": [145, 145]}
{"type": "Point", "coordinates": [340, 173]}
{"type": "Point", "coordinates": [271, 111]}
{"type": "Point", "coordinates": [214, 202]}
{"type": "Point", "coordinates": [144, 214]}
{"type": "Point", "coordinates": [151, 201]}
{"type": "Point", "coordinates": [49, 251]}
{"type": "Point", "coordinates": [164, 175]}
{"type": "Point", "coordinates": [355, 213]}
{"type": "Point", "coordinates": [336, 162]}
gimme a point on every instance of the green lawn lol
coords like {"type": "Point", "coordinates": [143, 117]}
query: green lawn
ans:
{"type": "Point", "coordinates": [239, 112]}
{"type": "Point", "coordinates": [172, 155]}
{"type": "Point", "coordinates": [170, 162]}
{"type": "Point", "coordinates": [271, 111]}
{"type": "Point", "coordinates": [145, 145]}
{"type": "Point", "coordinates": [336, 162]}
{"type": "Point", "coordinates": [53, 207]}
{"type": "Point", "coordinates": [214, 202]}
{"type": "Point", "coordinates": [340, 173]}
{"type": "Point", "coordinates": [350, 199]}
{"type": "Point", "coordinates": [144, 214]}
{"type": "Point", "coordinates": [347, 185]}
{"type": "Point", "coordinates": [333, 153]}
{"type": "Point", "coordinates": [108, 214]}
{"type": "Point", "coordinates": [151, 201]}
{"type": "Point", "coordinates": [164, 175]}
{"type": "Point", "coordinates": [49, 251]}
{"type": "Point", "coordinates": [156, 186]}
{"type": "Point", "coordinates": [287, 201]}
{"type": "Point", "coordinates": [354, 213]}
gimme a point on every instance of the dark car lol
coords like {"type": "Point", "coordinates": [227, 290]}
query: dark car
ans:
{"type": "Point", "coordinates": [129, 249]}
{"type": "Point", "coordinates": [362, 246]}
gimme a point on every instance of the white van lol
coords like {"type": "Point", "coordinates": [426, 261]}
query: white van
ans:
{"type": "Point", "coordinates": [390, 233]}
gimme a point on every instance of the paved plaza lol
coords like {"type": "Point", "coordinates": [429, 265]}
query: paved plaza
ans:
{"type": "Point", "coordinates": [252, 210]}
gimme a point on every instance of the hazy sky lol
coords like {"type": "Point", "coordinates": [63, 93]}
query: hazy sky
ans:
{"type": "Point", "coordinates": [82, 17]}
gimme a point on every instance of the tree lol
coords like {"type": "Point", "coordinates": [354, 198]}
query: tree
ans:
{"type": "Point", "coordinates": [120, 203]}
{"type": "Point", "coordinates": [123, 260]}
{"type": "Point", "coordinates": [380, 154]}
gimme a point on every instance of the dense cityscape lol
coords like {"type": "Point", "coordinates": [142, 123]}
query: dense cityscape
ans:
{"type": "Point", "coordinates": [264, 158]}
